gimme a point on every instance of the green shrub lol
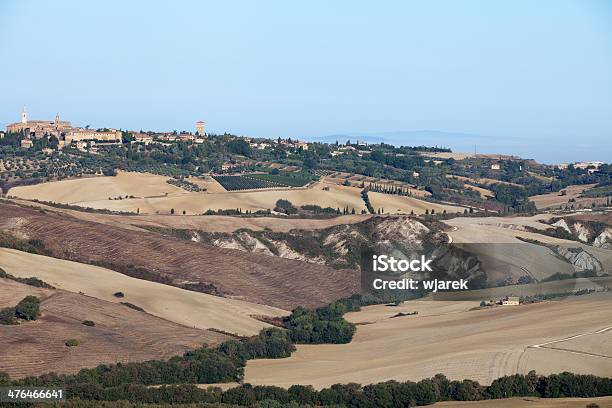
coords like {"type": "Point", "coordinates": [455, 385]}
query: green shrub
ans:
{"type": "Point", "coordinates": [7, 316]}
{"type": "Point", "coordinates": [88, 323]}
{"type": "Point", "coordinates": [72, 343]}
{"type": "Point", "coordinates": [37, 283]}
{"type": "Point", "coordinates": [28, 308]}
{"type": "Point", "coordinates": [285, 206]}
{"type": "Point", "coordinates": [270, 343]}
{"type": "Point", "coordinates": [324, 325]}
{"type": "Point", "coordinates": [133, 306]}
{"type": "Point", "coordinates": [34, 246]}
{"type": "Point", "coordinates": [4, 378]}
{"type": "Point", "coordinates": [28, 281]}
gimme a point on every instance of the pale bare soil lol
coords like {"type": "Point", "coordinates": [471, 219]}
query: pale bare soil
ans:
{"type": "Point", "coordinates": [498, 229]}
{"type": "Point", "coordinates": [447, 155]}
{"type": "Point", "coordinates": [531, 289]}
{"type": "Point", "coordinates": [223, 386]}
{"type": "Point", "coordinates": [210, 184]}
{"type": "Point", "coordinates": [540, 177]}
{"type": "Point", "coordinates": [120, 334]}
{"type": "Point", "coordinates": [197, 203]}
{"type": "Point", "coordinates": [220, 223]}
{"type": "Point", "coordinates": [192, 309]}
{"type": "Point", "coordinates": [481, 180]}
{"type": "Point", "coordinates": [395, 204]}
{"type": "Point", "coordinates": [426, 308]}
{"type": "Point", "coordinates": [461, 156]}
{"type": "Point", "coordinates": [209, 223]}
{"type": "Point", "coordinates": [558, 361]}
{"type": "Point", "coordinates": [507, 229]}
{"type": "Point", "coordinates": [529, 402]}
{"type": "Point", "coordinates": [150, 195]}
{"type": "Point", "coordinates": [480, 344]}
{"type": "Point", "coordinates": [98, 188]}
{"type": "Point", "coordinates": [593, 343]}
{"type": "Point", "coordinates": [357, 180]}
{"type": "Point", "coordinates": [483, 191]}
{"type": "Point", "coordinates": [495, 239]}
{"type": "Point", "coordinates": [556, 199]}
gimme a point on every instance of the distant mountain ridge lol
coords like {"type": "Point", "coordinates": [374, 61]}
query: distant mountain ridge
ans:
{"type": "Point", "coordinates": [455, 140]}
{"type": "Point", "coordinates": [522, 146]}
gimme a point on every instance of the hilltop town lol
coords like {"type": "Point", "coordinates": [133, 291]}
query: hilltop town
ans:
{"type": "Point", "coordinates": [365, 177]}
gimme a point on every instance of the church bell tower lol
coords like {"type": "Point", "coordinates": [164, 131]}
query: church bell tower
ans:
{"type": "Point", "coordinates": [24, 115]}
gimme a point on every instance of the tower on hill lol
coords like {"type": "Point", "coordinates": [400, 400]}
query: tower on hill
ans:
{"type": "Point", "coordinates": [200, 128]}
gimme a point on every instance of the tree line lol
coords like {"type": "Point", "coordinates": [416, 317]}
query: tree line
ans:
{"type": "Point", "coordinates": [389, 394]}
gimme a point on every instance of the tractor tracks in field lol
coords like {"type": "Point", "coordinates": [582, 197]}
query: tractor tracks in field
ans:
{"type": "Point", "coordinates": [547, 344]}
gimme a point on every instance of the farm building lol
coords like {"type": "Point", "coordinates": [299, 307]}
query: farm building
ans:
{"type": "Point", "coordinates": [511, 301]}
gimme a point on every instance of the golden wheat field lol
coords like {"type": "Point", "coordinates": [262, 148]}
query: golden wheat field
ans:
{"type": "Point", "coordinates": [98, 188]}
{"type": "Point", "coordinates": [449, 338]}
{"type": "Point", "coordinates": [395, 204]}
{"type": "Point", "coordinates": [210, 223]}
{"type": "Point", "coordinates": [555, 199]}
{"type": "Point", "coordinates": [151, 194]}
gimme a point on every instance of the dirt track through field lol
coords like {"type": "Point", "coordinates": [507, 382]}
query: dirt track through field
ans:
{"type": "Point", "coordinates": [577, 336]}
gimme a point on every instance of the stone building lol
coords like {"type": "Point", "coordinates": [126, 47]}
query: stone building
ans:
{"type": "Point", "coordinates": [26, 143]}
{"type": "Point", "coordinates": [200, 128]}
{"type": "Point", "coordinates": [38, 128]}
{"type": "Point", "coordinates": [511, 301]}
{"type": "Point", "coordinates": [63, 130]}
{"type": "Point", "coordinates": [79, 134]}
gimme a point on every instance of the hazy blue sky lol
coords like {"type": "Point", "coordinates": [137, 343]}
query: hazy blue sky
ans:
{"type": "Point", "coordinates": [533, 77]}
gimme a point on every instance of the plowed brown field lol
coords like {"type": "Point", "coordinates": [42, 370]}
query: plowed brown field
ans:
{"type": "Point", "coordinates": [192, 309]}
{"type": "Point", "coordinates": [256, 278]}
{"type": "Point", "coordinates": [120, 334]}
